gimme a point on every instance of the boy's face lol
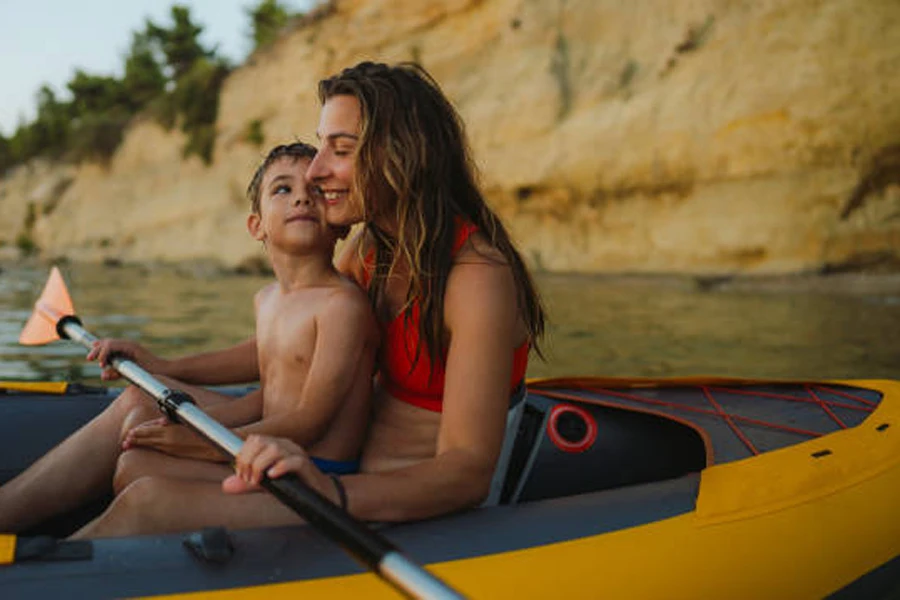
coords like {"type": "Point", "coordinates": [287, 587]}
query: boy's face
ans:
{"type": "Point", "coordinates": [289, 217]}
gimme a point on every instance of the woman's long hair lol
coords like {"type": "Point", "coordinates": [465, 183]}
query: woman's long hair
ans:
{"type": "Point", "coordinates": [413, 168]}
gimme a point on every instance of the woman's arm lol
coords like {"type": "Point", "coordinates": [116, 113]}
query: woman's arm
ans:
{"type": "Point", "coordinates": [479, 313]}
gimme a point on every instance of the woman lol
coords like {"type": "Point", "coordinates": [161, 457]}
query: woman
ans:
{"type": "Point", "coordinates": [458, 308]}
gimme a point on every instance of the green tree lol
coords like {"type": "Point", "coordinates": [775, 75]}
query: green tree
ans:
{"type": "Point", "coordinates": [22, 144]}
{"type": "Point", "coordinates": [196, 97]}
{"type": "Point", "coordinates": [195, 78]}
{"type": "Point", "coordinates": [51, 127]}
{"type": "Point", "coordinates": [97, 135]}
{"type": "Point", "coordinates": [267, 20]}
{"type": "Point", "coordinates": [144, 79]}
{"type": "Point", "coordinates": [100, 113]}
{"type": "Point", "coordinates": [95, 94]}
{"type": "Point", "coordinates": [6, 157]}
{"type": "Point", "coordinates": [167, 72]}
{"type": "Point", "coordinates": [180, 44]}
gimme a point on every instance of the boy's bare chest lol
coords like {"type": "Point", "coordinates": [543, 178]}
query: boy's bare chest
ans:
{"type": "Point", "coordinates": [286, 333]}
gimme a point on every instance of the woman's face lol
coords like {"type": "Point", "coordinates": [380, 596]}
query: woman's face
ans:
{"type": "Point", "coordinates": [331, 171]}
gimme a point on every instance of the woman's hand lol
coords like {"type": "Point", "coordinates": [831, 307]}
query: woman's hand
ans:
{"type": "Point", "coordinates": [274, 457]}
{"type": "Point", "coordinates": [103, 350]}
{"type": "Point", "coordinates": [163, 435]}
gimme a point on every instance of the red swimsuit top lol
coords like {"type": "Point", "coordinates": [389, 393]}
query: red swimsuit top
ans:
{"type": "Point", "coordinates": [422, 385]}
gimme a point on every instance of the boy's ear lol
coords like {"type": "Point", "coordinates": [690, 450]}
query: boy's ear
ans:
{"type": "Point", "coordinates": [254, 226]}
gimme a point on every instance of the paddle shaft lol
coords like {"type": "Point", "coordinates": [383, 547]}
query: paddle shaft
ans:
{"type": "Point", "coordinates": [371, 549]}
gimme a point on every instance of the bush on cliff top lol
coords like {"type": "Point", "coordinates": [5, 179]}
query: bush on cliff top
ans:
{"type": "Point", "coordinates": [168, 74]}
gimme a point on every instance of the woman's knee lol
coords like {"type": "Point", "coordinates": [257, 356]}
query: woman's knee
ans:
{"type": "Point", "coordinates": [132, 398]}
{"type": "Point", "coordinates": [142, 503]}
{"type": "Point", "coordinates": [130, 467]}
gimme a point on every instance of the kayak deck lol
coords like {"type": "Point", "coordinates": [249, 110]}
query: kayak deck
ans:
{"type": "Point", "coordinates": [608, 465]}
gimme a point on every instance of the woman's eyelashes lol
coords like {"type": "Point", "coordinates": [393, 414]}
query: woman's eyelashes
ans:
{"type": "Point", "coordinates": [343, 150]}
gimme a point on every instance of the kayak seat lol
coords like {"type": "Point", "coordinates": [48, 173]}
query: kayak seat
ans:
{"type": "Point", "coordinates": [559, 448]}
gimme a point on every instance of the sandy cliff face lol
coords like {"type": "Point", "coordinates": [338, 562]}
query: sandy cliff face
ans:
{"type": "Point", "coordinates": [613, 135]}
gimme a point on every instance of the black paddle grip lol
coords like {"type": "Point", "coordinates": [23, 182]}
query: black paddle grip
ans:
{"type": "Point", "coordinates": [366, 547]}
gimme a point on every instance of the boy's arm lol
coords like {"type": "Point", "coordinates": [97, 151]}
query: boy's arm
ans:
{"type": "Point", "coordinates": [237, 364]}
{"type": "Point", "coordinates": [344, 353]}
{"type": "Point", "coordinates": [240, 411]}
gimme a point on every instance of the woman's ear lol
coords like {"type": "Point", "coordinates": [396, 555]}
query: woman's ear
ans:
{"type": "Point", "coordinates": [254, 226]}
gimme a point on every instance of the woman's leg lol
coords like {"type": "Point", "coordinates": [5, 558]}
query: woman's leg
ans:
{"type": "Point", "coordinates": [154, 505]}
{"type": "Point", "coordinates": [76, 471]}
{"type": "Point", "coordinates": [138, 463]}
{"type": "Point", "coordinates": [81, 467]}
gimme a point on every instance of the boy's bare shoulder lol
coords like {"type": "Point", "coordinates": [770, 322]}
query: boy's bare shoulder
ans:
{"type": "Point", "coordinates": [346, 295]}
{"type": "Point", "coordinates": [264, 292]}
{"type": "Point", "coordinates": [347, 303]}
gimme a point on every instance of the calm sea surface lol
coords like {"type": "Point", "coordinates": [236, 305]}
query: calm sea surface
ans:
{"type": "Point", "coordinates": [838, 328]}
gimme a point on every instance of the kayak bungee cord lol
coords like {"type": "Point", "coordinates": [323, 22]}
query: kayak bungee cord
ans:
{"type": "Point", "coordinates": [54, 318]}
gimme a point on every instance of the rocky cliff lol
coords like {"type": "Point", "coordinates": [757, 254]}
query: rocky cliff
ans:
{"type": "Point", "coordinates": [699, 136]}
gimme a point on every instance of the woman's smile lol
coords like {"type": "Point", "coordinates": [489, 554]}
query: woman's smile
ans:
{"type": "Point", "coordinates": [333, 197]}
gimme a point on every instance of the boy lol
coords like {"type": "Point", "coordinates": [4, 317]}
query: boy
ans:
{"type": "Point", "coordinates": [316, 335]}
{"type": "Point", "coordinates": [316, 339]}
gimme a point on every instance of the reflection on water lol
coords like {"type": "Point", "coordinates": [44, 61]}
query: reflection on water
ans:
{"type": "Point", "coordinates": [599, 326]}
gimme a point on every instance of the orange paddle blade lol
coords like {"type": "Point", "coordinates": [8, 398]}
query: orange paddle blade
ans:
{"type": "Point", "coordinates": [54, 304]}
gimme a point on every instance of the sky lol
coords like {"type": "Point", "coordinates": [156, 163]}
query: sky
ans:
{"type": "Point", "coordinates": [44, 41]}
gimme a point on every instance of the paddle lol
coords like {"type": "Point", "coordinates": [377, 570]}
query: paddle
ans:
{"type": "Point", "coordinates": [54, 318]}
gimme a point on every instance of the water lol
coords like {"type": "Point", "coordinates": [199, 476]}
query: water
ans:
{"type": "Point", "coordinates": [792, 328]}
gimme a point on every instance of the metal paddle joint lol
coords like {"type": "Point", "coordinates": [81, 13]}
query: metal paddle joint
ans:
{"type": "Point", "coordinates": [171, 401]}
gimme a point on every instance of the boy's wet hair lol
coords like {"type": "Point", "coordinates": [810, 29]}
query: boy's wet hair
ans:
{"type": "Point", "coordinates": [295, 150]}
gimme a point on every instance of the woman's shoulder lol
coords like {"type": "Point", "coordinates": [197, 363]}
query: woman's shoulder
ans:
{"type": "Point", "coordinates": [476, 248]}
{"type": "Point", "coordinates": [479, 268]}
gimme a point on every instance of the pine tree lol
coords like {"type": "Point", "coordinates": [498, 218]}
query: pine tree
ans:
{"type": "Point", "coordinates": [180, 44]}
{"type": "Point", "coordinates": [267, 20]}
{"type": "Point", "coordinates": [144, 79]}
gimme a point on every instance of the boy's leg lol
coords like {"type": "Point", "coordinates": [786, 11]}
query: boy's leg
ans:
{"type": "Point", "coordinates": [76, 471]}
{"type": "Point", "coordinates": [145, 462]}
{"type": "Point", "coordinates": [163, 505]}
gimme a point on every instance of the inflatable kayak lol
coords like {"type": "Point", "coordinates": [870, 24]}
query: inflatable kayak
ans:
{"type": "Point", "coordinates": [611, 488]}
